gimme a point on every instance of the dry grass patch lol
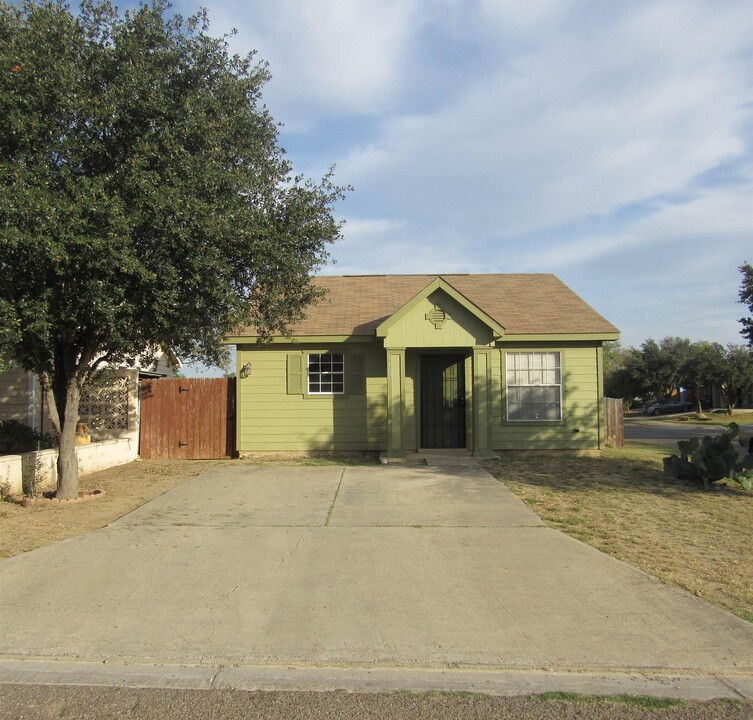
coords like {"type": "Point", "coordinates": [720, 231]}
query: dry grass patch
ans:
{"type": "Point", "coordinates": [621, 503]}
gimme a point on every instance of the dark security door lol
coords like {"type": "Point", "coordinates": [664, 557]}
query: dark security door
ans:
{"type": "Point", "coordinates": [442, 401]}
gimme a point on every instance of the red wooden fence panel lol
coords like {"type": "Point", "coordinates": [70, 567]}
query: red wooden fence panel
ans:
{"type": "Point", "coordinates": [187, 418]}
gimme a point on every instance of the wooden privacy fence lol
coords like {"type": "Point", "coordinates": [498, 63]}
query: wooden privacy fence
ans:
{"type": "Point", "coordinates": [187, 418]}
{"type": "Point", "coordinates": [614, 427]}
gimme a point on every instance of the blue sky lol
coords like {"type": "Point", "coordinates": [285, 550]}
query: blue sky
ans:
{"type": "Point", "coordinates": [609, 143]}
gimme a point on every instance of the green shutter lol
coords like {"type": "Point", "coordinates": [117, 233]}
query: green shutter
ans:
{"type": "Point", "coordinates": [295, 374]}
{"type": "Point", "coordinates": [357, 374]}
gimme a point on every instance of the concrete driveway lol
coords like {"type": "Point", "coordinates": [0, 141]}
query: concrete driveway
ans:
{"type": "Point", "coordinates": [367, 566]}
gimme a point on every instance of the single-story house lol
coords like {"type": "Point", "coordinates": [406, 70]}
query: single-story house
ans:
{"type": "Point", "coordinates": [402, 363]}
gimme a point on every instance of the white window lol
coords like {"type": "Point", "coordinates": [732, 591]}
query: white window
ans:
{"type": "Point", "coordinates": [326, 374]}
{"type": "Point", "coordinates": [534, 386]}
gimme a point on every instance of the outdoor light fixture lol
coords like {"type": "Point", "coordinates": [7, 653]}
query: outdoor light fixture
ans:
{"type": "Point", "coordinates": [246, 370]}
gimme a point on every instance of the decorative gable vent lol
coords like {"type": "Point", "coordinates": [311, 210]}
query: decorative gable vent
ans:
{"type": "Point", "coordinates": [437, 317]}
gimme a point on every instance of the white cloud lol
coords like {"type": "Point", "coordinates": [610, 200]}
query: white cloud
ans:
{"type": "Point", "coordinates": [719, 219]}
{"type": "Point", "coordinates": [326, 58]}
{"type": "Point", "coordinates": [606, 115]}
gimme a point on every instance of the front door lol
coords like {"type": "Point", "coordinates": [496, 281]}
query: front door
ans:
{"type": "Point", "coordinates": [442, 401]}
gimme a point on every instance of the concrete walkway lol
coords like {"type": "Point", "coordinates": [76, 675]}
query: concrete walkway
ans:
{"type": "Point", "coordinates": [340, 571]}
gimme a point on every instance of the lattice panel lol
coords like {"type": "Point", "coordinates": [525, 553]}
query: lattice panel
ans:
{"type": "Point", "coordinates": [105, 407]}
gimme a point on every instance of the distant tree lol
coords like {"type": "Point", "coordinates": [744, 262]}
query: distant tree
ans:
{"type": "Point", "coordinates": [660, 366]}
{"type": "Point", "coordinates": [144, 199]}
{"type": "Point", "coordinates": [746, 297]}
{"type": "Point", "coordinates": [737, 381]}
{"type": "Point", "coordinates": [705, 365]}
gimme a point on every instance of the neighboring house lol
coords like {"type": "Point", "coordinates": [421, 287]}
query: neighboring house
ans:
{"type": "Point", "coordinates": [716, 399]}
{"type": "Point", "coordinates": [110, 411]}
{"type": "Point", "coordinates": [401, 363]}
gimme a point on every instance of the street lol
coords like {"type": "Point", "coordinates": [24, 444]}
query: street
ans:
{"type": "Point", "coordinates": [661, 432]}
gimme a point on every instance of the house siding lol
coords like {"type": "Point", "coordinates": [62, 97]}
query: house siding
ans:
{"type": "Point", "coordinates": [458, 328]}
{"type": "Point", "coordinates": [274, 421]}
{"type": "Point", "coordinates": [579, 428]}
{"type": "Point", "coordinates": [14, 395]}
{"type": "Point", "coordinates": [271, 420]}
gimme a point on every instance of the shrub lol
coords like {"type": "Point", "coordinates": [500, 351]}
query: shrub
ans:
{"type": "Point", "coordinates": [17, 438]}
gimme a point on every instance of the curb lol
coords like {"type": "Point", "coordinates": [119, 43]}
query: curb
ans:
{"type": "Point", "coordinates": [378, 679]}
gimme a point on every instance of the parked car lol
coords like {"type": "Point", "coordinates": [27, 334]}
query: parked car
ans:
{"type": "Point", "coordinates": [746, 438]}
{"type": "Point", "coordinates": [664, 407]}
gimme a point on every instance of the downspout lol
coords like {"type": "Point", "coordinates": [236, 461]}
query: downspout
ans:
{"type": "Point", "coordinates": [599, 396]}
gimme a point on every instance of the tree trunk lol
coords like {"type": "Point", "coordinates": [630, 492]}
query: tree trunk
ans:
{"type": "Point", "coordinates": [67, 487]}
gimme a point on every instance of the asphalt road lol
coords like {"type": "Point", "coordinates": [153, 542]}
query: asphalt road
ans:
{"type": "Point", "coordinates": [661, 432]}
{"type": "Point", "coordinates": [43, 702]}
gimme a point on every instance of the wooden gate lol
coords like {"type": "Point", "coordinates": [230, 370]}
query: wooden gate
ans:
{"type": "Point", "coordinates": [187, 418]}
{"type": "Point", "coordinates": [614, 425]}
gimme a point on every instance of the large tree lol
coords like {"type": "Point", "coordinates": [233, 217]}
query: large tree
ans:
{"type": "Point", "coordinates": [144, 198]}
{"type": "Point", "coordinates": [746, 297]}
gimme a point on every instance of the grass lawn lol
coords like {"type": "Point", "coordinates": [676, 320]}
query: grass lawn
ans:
{"type": "Point", "coordinates": [622, 504]}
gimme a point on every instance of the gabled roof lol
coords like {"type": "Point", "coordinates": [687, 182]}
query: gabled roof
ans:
{"type": "Point", "coordinates": [523, 304]}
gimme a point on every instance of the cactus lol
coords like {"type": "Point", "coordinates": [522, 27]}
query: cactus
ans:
{"type": "Point", "coordinates": [712, 459]}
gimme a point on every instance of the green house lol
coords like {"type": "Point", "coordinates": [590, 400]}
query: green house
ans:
{"type": "Point", "coordinates": [403, 363]}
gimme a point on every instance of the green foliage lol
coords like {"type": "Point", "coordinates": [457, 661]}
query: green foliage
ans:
{"type": "Point", "coordinates": [642, 701]}
{"type": "Point", "coordinates": [144, 199]}
{"type": "Point", "coordinates": [746, 297]}
{"type": "Point", "coordinates": [657, 370]}
{"type": "Point", "coordinates": [17, 438]}
{"type": "Point", "coordinates": [705, 364]}
{"type": "Point", "coordinates": [711, 459]}
{"type": "Point", "coordinates": [736, 381]}
{"type": "Point", "coordinates": [621, 375]}
{"type": "Point", "coordinates": [661, 364]}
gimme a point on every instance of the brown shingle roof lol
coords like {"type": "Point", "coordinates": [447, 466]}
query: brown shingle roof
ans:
{"type": "Point", "coordinates": [522, 304]}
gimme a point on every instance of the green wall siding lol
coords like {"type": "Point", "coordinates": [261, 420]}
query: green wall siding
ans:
{"type": "Point", "coordinates": [270, 419]}
{"type": "Point", "coordinates": [581, 406]}
{"type": "Point", "coordinates": [460, 329]}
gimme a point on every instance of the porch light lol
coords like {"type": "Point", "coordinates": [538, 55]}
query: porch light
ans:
{"type": "Point", "coordinates": [245, 370]}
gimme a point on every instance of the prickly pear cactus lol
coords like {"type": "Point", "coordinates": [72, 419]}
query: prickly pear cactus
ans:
{"type": "Point", "coordinates": [712, 459]}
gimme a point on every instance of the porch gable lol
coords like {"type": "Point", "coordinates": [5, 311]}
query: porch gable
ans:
{"type": "Point", "coordinates": [439, 316]}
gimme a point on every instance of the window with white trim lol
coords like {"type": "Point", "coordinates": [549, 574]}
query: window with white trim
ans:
{"type": "Point", "coordinates": [326, 373]}
{"type": "Point", "coordinates": [534, 386]}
